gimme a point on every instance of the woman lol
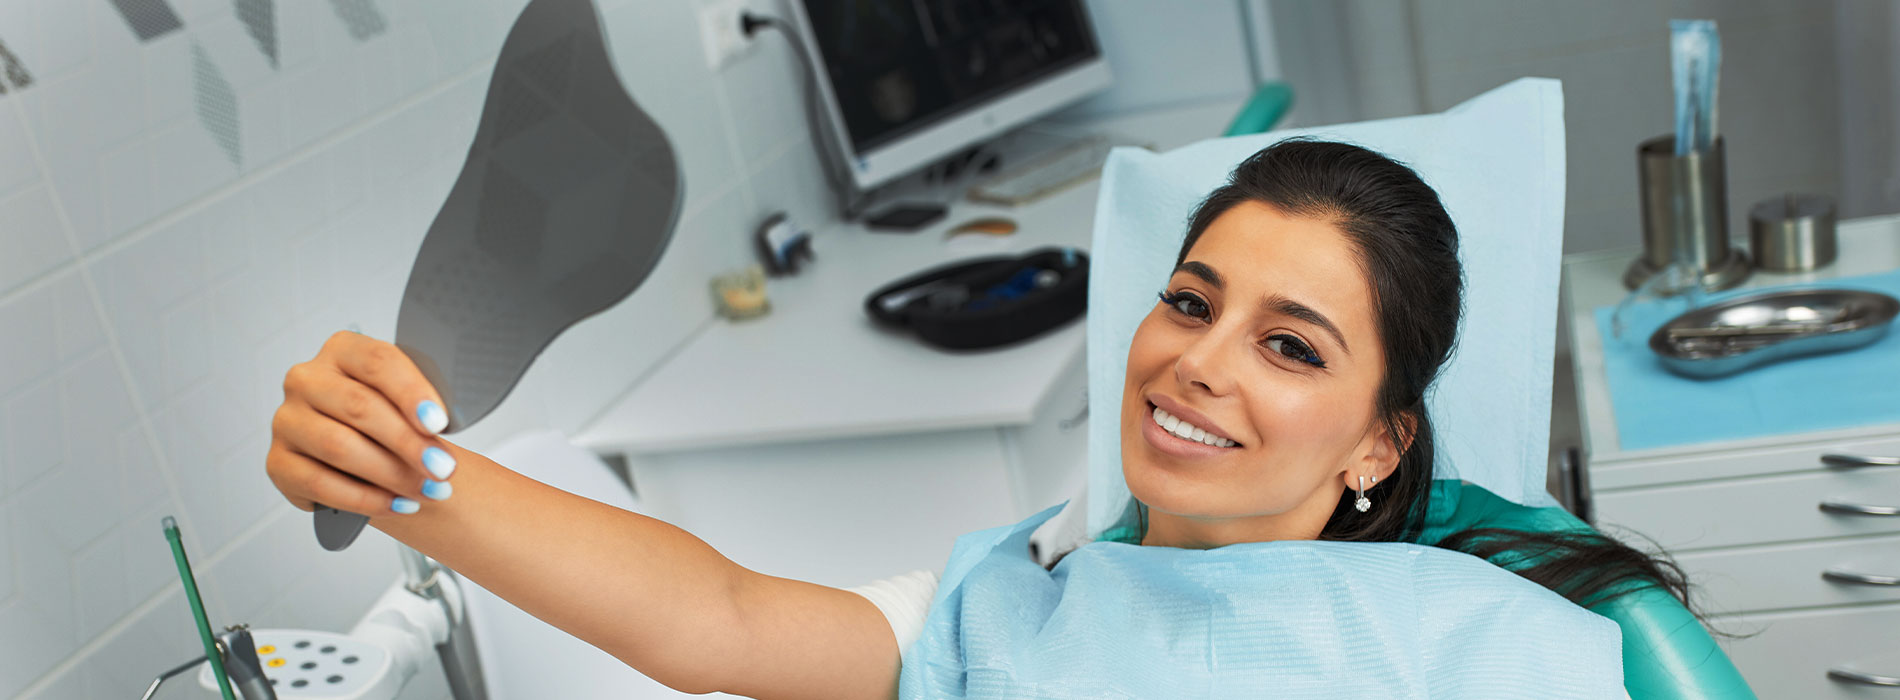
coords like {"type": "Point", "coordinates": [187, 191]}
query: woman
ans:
{"type": "Point", "coordinates": [1275, 392]}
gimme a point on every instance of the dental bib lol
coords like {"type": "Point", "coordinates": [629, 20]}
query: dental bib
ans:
{"type": "Point", "coordinates": [1300, 619]}
{"type": "Point", "coordinates": [1295, 619]}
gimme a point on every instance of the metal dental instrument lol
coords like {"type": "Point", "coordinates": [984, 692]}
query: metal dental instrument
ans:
{"type": "Point", "coordinates": [568, 197]}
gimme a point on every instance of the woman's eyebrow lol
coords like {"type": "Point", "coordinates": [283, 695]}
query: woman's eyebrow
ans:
{"type": "Point", "coordinates": [1289, 307]}
{"type": "Point", "coordinates": [1273, 304]}
{"type": "Point", "coordinates": [1201, 270]}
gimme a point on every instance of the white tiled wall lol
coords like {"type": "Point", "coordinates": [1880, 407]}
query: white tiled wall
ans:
{"type": "Point", "coordinates": [153, 291]}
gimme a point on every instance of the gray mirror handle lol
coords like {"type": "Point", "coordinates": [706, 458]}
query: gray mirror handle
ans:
{"type": "Point", "coordinates": [336, 529]}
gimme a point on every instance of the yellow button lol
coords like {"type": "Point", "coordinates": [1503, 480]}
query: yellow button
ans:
{"type": "Point", "coordinates": [274, 663]}
{"type": "Point", "coordinates": [266, 649]}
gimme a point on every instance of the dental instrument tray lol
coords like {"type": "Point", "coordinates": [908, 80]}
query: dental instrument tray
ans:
{"type": "Point", "coordinates": [1749, 331]}
{"type": "Point", "coordinates": [986, 302]}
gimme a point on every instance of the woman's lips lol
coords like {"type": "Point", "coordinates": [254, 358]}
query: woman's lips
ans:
{"type": "Point", "coordinates": [1175, 445]}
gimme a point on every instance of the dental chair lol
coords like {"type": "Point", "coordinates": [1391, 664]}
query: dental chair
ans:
{"type": "Point", "coordinates": [1497, 162]}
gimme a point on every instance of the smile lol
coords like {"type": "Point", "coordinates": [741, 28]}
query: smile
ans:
{"type": "Point", "coordinates": [1188, 431]}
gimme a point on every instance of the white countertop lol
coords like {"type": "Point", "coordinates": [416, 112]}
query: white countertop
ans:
{"type": "Point", "coordinates": [1867, 246]}
{"type": "Point", "coordinates": [816, 367]}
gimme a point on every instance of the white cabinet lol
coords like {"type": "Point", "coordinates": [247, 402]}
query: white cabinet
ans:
{"type": "Point", "coordinates": [848, 511]}
{"type": "Point", "coordinates": [1757, 522]}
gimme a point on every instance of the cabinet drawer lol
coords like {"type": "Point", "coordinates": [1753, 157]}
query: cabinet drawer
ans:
{"type": "Point", "coordinates": [1754, 511]}
{"type": "Point", "coordinates": [1792, 654]}
{"type": "Point", "coordinates": [1789, 575]}
{"type": "Point", "coordinates": [1733, 462]}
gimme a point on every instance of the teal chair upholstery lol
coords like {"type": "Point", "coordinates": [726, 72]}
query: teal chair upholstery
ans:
{"type": "Point", "coordinates": [1269, 103]}
{"type": "Point", "coordinates": [1666, 652]}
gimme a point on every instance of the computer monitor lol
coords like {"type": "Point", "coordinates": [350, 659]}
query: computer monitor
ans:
{"type": "Point", "coordinates": [908, 82]}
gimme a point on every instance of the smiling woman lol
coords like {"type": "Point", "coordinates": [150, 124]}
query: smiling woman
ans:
{"type": "Point", "coordinates": [1273, 399]}
{"type": "Point", "coordinates": [1314, 300]}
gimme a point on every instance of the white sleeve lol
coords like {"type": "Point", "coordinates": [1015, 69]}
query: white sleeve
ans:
{"type": "Point", "coordinates": [905, 602]}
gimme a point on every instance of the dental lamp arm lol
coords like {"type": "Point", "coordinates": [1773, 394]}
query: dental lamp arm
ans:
{"type": "Point", "coordinates": [651, 594]}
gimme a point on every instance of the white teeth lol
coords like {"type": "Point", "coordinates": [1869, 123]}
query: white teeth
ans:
{"type": "Point", "coordinates": [1187, 431]}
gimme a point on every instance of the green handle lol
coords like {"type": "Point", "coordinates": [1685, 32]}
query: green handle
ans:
{"type": "Point", "coordinates": [198, 608]}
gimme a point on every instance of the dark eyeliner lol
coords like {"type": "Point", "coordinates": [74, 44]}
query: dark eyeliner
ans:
{"type": "Point", "coordinates": [1174, 300]}
{"type": "Point", "coordinates": [1310, 357]}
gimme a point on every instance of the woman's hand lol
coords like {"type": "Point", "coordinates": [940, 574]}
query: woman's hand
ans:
{"type": "Point", "coordinates": [357, 431]}
{"type": "Point", "coordinates": [354, 433]}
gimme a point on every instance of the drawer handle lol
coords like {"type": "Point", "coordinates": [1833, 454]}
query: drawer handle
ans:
{"type": "Point", "coordinates": [1838, 576]}
{"type": "Point", "coordinates": [1858, 461]}
{"type": "Point", "coordinates": [1842, 508]}
{"type": "Point", "coordinates": [1842, 675]}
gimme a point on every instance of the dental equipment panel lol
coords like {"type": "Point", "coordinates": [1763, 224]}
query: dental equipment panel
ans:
{"type": "Point", "coordinates": [567, 199]}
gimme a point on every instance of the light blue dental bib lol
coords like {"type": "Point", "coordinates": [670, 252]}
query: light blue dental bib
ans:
{"type": "Point", "coordinates": [1271, 619]}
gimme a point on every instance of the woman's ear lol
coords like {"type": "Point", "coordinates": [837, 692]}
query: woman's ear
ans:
{"type": "Point", "coordinates": [1382, 456]}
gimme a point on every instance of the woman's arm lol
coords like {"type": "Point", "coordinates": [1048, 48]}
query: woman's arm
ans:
{"type": "Point", "coordinates": [654, 596]}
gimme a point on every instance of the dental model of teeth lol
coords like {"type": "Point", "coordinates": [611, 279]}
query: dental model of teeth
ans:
{"type": "Point", "coordinates": [1187, 431]}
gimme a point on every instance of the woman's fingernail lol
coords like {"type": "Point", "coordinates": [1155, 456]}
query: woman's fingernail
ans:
{"type": "Point", "coordinates": [438, 490]}
{"type": "Point", "coordinates": [433, 418]}
{"type": "Point", "coordinates": [404, 505]}
{"type": "Point", "coordinates": [438, 462]}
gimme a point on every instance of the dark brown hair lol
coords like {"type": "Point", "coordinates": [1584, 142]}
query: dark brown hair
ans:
{"type": "Point", "coordinates": [1408, 250]}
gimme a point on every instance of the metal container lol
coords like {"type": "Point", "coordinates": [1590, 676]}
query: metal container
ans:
{"type": "Point", "coordinates": [1685, 214]}
{"type": "Point", "coordinates": [1736, 334]}
{"type": "Point", "coordinates": [1794, 233]}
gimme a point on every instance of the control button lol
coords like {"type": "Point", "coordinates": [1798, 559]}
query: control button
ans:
{"type": "Point", "coordinates": [299, 683]}
{"type": "Point", "coordinates": [327, 649]}
{"type": "Point", "coordinates": [307, 665]}
{"type": "Point", "coordinates": [349, 659]}
{"type": "Point", "coordinates": [266, 649]}
{"type": "Point", "coordinates": [334, 679]}
{"type": "Point", "coordinates": [274, 663]}
{"type": "Point", "coordinates": [303, 644]}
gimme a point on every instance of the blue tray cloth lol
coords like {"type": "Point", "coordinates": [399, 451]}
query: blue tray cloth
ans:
{"type": "Point", "coordinates": [1655, 408]}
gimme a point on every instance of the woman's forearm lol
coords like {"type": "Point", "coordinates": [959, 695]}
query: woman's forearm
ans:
{"type": "Point", "coordinates": [649, 593]}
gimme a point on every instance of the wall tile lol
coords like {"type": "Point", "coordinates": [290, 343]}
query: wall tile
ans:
{"type": "Point", "coordinates": [125, 188]}
{"type": "Point", "coordinates": [762, 90]}
{"type": "Point", "coordinates": [186, 163]}
{"type": "Point", "coordinates": [7, 568]}
{"type": "Point", "coordinates": [98, 571]}
{"type": "Point", "coordinates": [75, 121]}
{"type": "Point", "coordinates": [18, 165]}
{"type": "Point", "coordinates": [34, 641]}
{"type": "Point", "coordinates": [76, 320]}
{"type": "Point", "coordinates": [664, 69]}
{"type": "Point", "coordinates": [35, 437]}
{"type": "Point", "coordinates": [62, 40]}
{"type": "Point", "coordinates": [32, 237]}
{"type": "Point", "coordinates": [167, 78]}
{"type": "Point", "coordinates": [232, 49]}
{"type": "Point", "coordinates": [25, 354]}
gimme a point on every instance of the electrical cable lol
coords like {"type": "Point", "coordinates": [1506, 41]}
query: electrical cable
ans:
{"type": "Point", "coordinates": [822, 138]}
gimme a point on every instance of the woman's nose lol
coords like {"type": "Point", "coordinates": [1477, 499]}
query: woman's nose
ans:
{"type": "Point", "coordinates": [1207, 361]}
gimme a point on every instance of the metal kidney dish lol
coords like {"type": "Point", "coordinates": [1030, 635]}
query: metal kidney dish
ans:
{"type": "Point", "coordinates": [1749, 331]}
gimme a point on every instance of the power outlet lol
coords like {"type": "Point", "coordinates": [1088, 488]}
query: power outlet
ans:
{"type": "Point", "coordinates": [719, 32]}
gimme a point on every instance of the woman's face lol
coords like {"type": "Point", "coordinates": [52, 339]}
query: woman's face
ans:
{"type": "Point", "coordinates": [1268, 344]}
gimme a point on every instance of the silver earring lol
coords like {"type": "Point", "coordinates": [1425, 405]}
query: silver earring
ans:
{"type": "Point", "coordinates": [1362, 503]}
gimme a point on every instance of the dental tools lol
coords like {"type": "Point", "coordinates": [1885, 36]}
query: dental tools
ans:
{"type": "Point", "coordinates": [1695, 60]}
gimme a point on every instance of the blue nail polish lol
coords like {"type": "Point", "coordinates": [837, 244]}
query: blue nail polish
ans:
{"type": "Point", "coordinates": [433, 418]}
{"type": "Point", "coordinates": [438, 490]}
{"type": "Point", "coordinates": [404, 505]}
{"type": "Point", "coordinates": [438, 462]}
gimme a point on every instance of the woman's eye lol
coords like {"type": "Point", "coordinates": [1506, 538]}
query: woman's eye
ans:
{"type": "Point", "coordinates": [1186, 303]}
{"type": "Point", "coordinates": [1291, 348]}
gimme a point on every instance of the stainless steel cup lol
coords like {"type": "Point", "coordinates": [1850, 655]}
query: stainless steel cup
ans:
{"type": "Point", "coordinates": [1794, 233]}
{"type": "Point", "coordinates": [1685, 215]}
